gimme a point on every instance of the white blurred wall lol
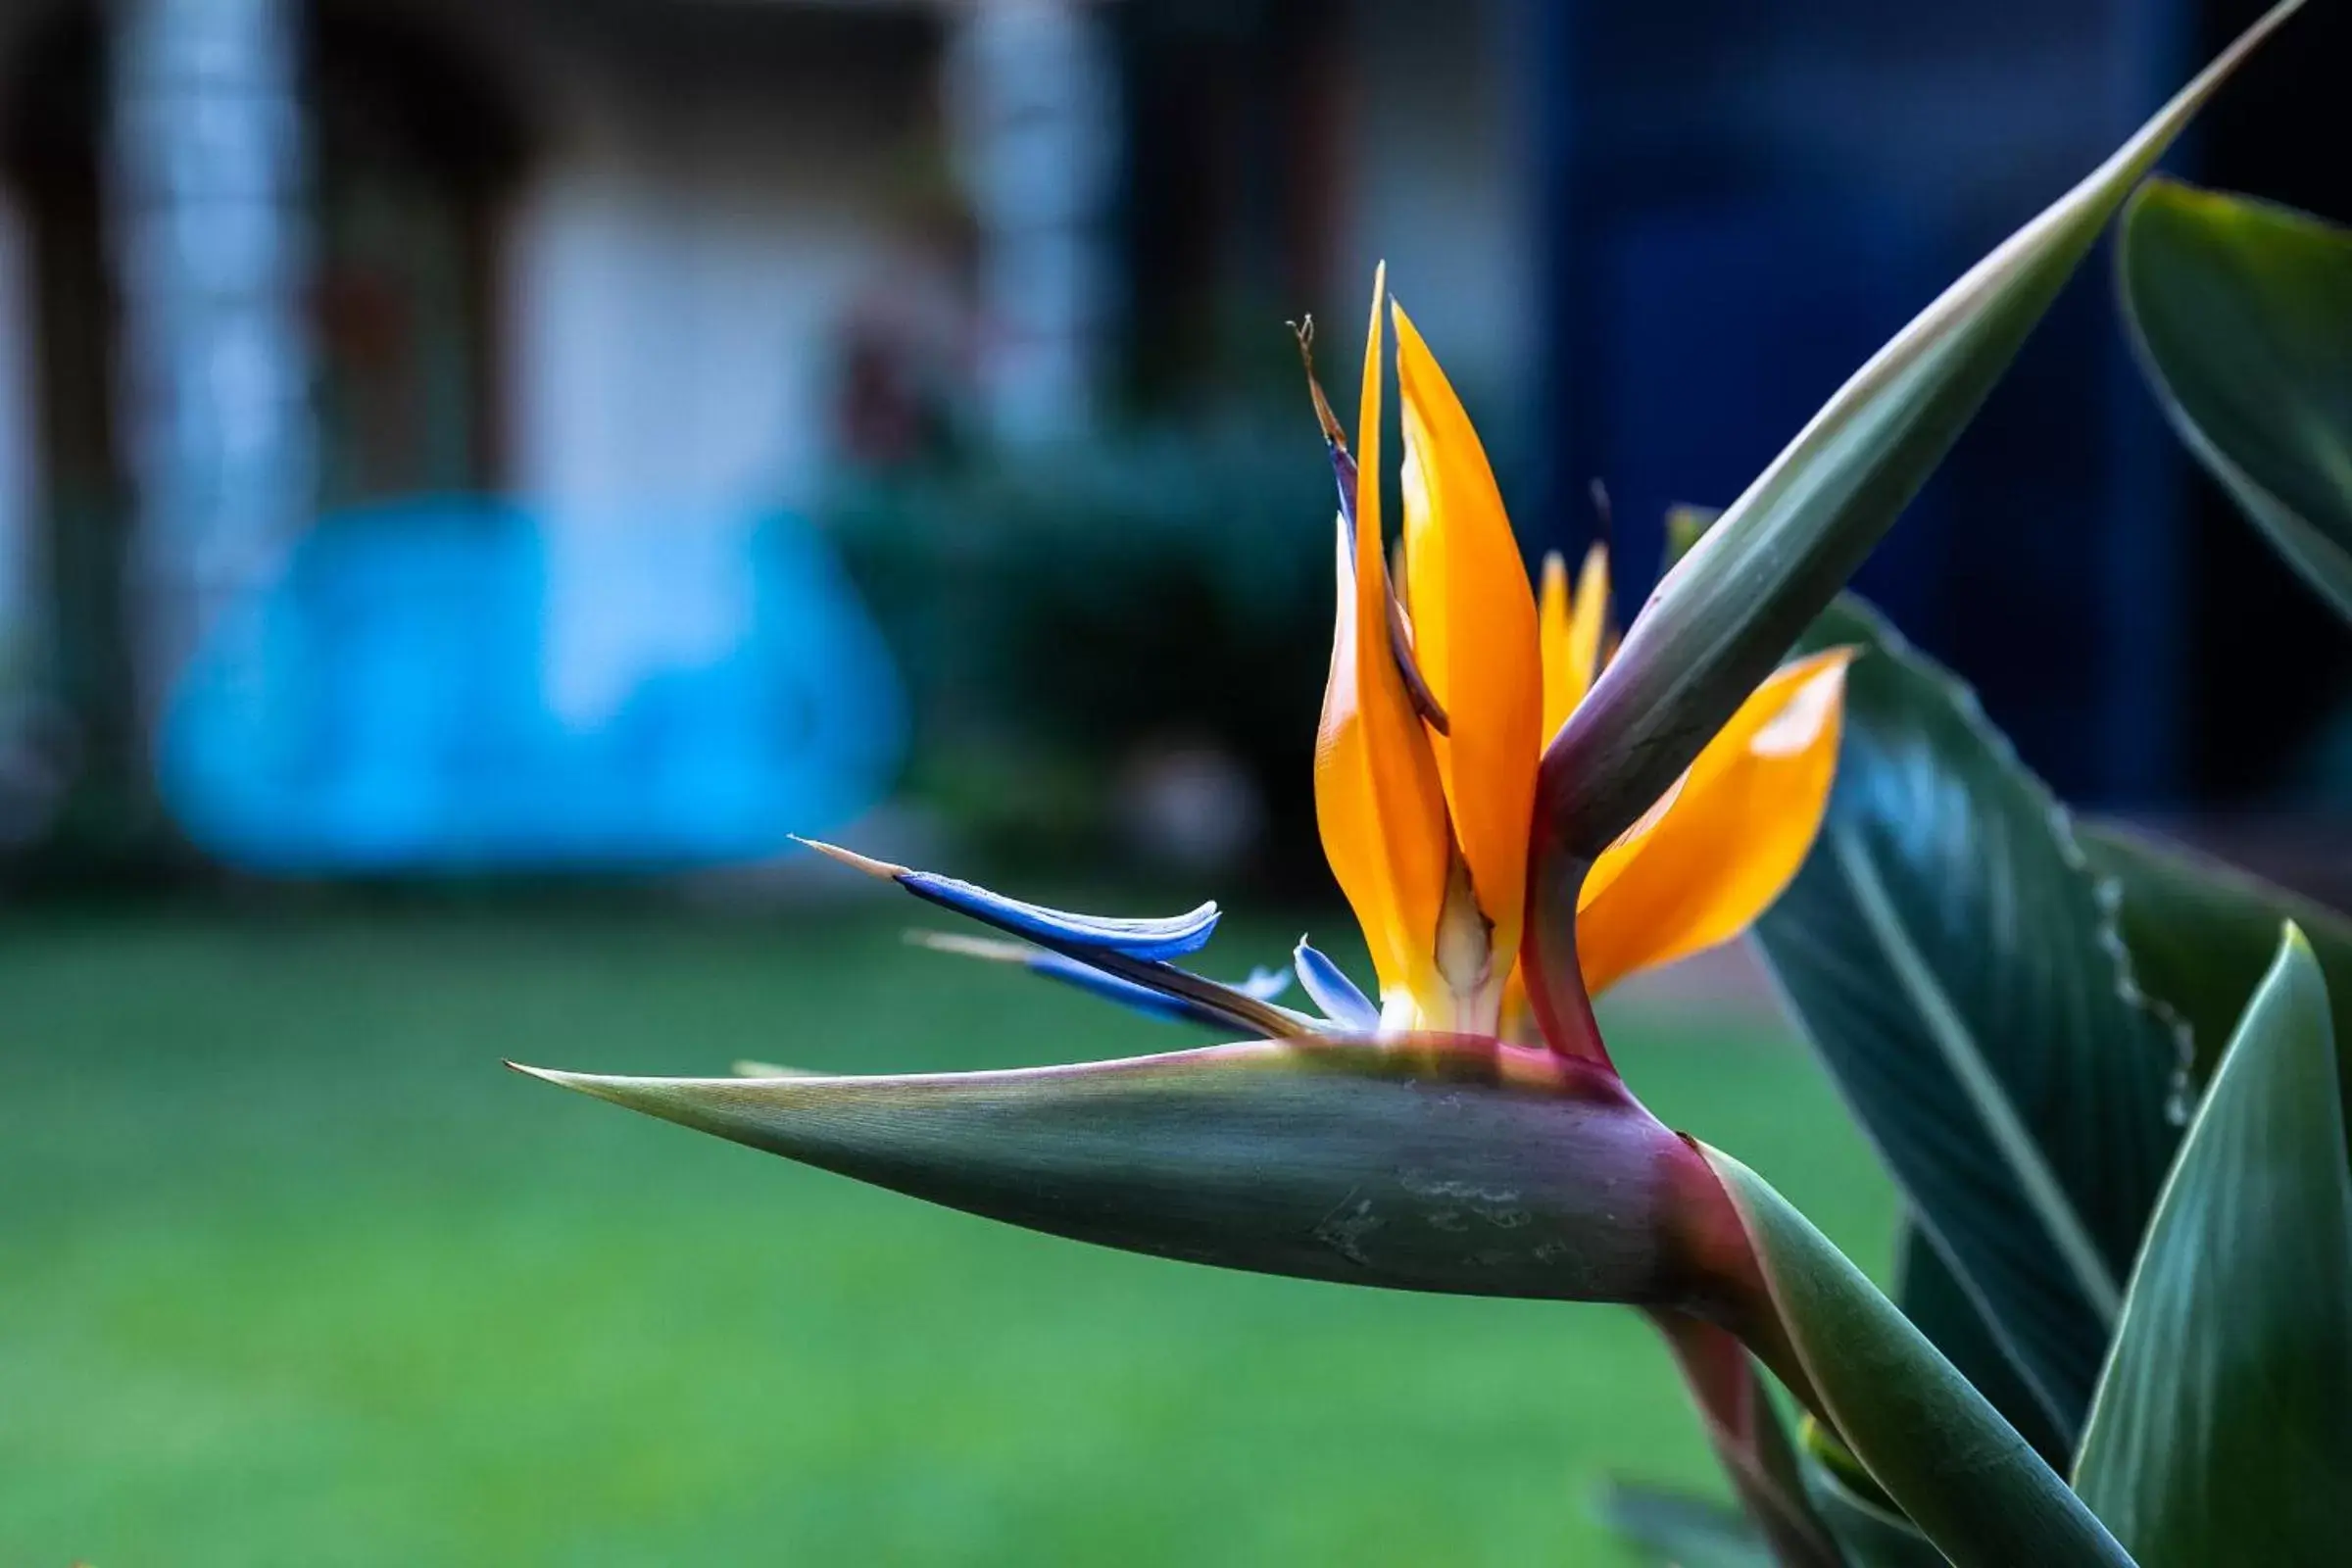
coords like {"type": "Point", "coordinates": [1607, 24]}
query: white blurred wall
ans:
{"type": "Point", "coordinates": [677, 267]}
{"type": "Point", "coordinates": [679, 263]}
{"type": "Point", "coordinates": [676, 274]}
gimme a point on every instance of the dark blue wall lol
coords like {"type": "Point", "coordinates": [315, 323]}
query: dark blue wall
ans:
{"type": "Point", "coordinates": [1744, 200]}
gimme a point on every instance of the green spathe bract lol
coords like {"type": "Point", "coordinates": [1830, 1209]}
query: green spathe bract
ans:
{"type": "Point", "coordinates": [2223, 1431]}
{"type": "Point", "coordinates": [1410, 1163]}
{"type": "Point", "coordinates": [2242, 309]}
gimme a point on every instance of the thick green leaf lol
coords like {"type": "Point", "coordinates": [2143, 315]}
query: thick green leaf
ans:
{"type": "Point", "coordinates": [1728, 610]}
{"type": "Point", "coordinates": [2223, 1431]}
{"type": "Point", "coordinates": [1965, 1477]}
{"type": "Point", "coordinates": [1434, 1164]}
{"type": "Point", "coordinates": [2243, 314]}
{"type": "Point", "coordinates": [1873, 1531]}
{"type": "Point", "coordinates": [1675, 1529]}
{"type": "Point", "coordinates": [2203, 933]}
{"type": "Point", "coordinates": [1931, 1296]}
{"type": "Point", "coordinates": [1950, 954]}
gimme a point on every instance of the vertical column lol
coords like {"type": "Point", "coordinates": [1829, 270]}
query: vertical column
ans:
{"type": "Point", "coordinates": [1032, 111]}
{"type": "Point", "coordinates": [206, 179]}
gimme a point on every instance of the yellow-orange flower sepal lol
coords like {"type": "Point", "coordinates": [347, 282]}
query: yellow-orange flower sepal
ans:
{"type": "Point", "coordinates": [1719, 846]}
{"type": "Point", "coordinates": [1379, 804]}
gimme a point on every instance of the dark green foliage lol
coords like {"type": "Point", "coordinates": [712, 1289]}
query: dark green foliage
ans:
{"type": "Point", "coordinates": [1940, 1451]}
{"type": "Point", "coordinates": [2223, 1431]}
{"type": "Point", "coordinates": [1947, 950]}
{"type": "Point", "coordinates": [1057, 619]}
{"type": "Point", "coordinates": [2243, 314]}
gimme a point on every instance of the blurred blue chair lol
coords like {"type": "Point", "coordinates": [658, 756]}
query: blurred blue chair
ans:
{"type": "Point", "coordinates": [457, 686]}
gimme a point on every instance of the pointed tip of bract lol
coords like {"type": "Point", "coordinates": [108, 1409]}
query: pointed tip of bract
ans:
{"type": "Point", "coordinates": [650, 1094]}
{"type": "Point", "coordinates": [706, 1105]}
{"type": "Point", "coordinates": [584, 1082]}
{"type": "Point", "coordinates": [546, 1075]}
{"type": "Point", "coordinates": [887, 870]}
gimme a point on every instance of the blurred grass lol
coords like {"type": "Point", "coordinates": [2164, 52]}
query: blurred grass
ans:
{"type": "Point", "coordinates": [292, 1273]}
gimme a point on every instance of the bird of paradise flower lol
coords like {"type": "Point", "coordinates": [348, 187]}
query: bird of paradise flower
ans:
{"type": "Point", "coordinates": [1518, 820]}
{"type": "Point", "coordinates": [1426, 762]}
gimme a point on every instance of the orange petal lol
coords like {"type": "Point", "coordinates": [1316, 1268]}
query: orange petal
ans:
{"type": "Point", "coordinates": [1555, 628]}
{"type": "Point", "coordinates": [1378, 799]}
{"type": "Point", "coordinates": [1571, 633]}
{"type": "Point", "coordinates": [1595, 636]}
{"type": "Point", "coordinates": [1715, 851]}
{"type": "Point", "coordinates": [1473, 634]}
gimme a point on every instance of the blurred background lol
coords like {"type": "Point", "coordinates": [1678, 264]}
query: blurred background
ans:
{"type": "Point", "coordinates": [473, 479]}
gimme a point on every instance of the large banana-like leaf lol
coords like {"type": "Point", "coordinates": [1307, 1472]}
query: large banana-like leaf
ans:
{"type": "Point", "coordinates": [1949, 953]}
{"type": "Point", "coordinates": [1728, 610]}
{"type": "Point", "coordinates": [1931, 1296]}
{"type": "Point", "coordinates": [2203, 933]}
{"type": "Point", "coordinates": [1427, 1164]}
{"type": "Point", "coordinates": [2243, 314]}
{"type": "Point", "coordinates": [2223, 1431]}
{"type": "Point", "coordinates": [1971, 1485]}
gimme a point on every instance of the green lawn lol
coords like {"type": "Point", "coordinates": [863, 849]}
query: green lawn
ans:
{"type": "Point", "coordinates": [291, 1272]}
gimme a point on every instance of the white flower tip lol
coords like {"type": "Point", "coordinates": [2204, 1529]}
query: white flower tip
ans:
{"type": "Point", "coordinates": [885, 869]}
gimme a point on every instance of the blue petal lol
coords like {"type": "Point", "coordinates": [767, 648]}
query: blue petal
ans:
{"type": "Point", "coordinates": [1343, 469]}
{"type": "Point", "coordinates": [1194, 999]}
{"type": "Point", "coordinates": [1342, 1001]}
{"type": "Point", "coordinates": [1166, 938]}
{"type": "Point", "coordinates": [1264, 984]}
{"type": "Point", "coordinates": [1147, 986]}
{"type": "Point", "coordinates": [1127, 992]}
